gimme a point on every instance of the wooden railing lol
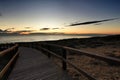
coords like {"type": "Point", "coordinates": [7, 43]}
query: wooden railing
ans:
{"type": "Point", "coordinates": [109, 60]}
{"type": "Point", "coordinates": [46, 48]}
{"type": "Point", "coordinates": [65, 62]}
{"type": "Point", "coordinates": [6, 46]}
{"type": "Point", "coordinates": [50, 50]}
{"type": "Point", "coordinates": [7, 59]}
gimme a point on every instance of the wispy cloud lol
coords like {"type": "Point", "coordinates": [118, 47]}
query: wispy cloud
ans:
{"type": "Point", "coordinates": [55, 28]}
{"type": "Point", "coordinates": [43, 29]}
{"type": "Point", "coordinates": [27, 27]}
{"type": "Point", "coordinates": [8, 30]}
{"type": "Point", "coordinates": [92, 22]}
{"type": "Point", "coordinates": [21, 31]}
{"type": "Point", "coordinates": [4, 31]}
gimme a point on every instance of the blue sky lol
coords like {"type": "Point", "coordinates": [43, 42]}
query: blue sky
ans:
{"type": "Point", "coordinates": [38, 14]}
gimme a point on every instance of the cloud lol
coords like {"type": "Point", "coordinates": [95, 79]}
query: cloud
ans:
{"type": "Point", "coordinates": [2, 31]}
{"type": "Point", "coordinates": [5, 31]}
{"type": "Point", "coordinates": [21, 31]}
{"type": "Point", "coordinates": [55, 28]}
{"type": "Point", "coordinates": [92, 22]}
{"type": "Point", "coordinates": [9, 29]}
{"type": "Point", "coordinates": [42, 29]}
{"type": "Point", "coordinates": [27, 27]}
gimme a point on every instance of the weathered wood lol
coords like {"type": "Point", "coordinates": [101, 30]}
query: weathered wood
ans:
{"type": "Point", "coordinates": [7, 59]}
{"type": "Point", "coordinates": [34, 65]}
{"type": "Point", "coordinates": [110, 60]}
{"type": "Point", "coordinates": [2, 53]}
{"type": "Point", "coordinates": [9, 64]}
{"type": "Point", "coordinates": [90, 77]}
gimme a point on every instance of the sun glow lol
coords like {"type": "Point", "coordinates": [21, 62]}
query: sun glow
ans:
{"type": "Point", "coordinates": [26, 33]}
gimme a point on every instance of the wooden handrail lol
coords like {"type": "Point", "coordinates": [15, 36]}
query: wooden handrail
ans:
{"type": "Point", "coordinates": [12, 53]}
{"type": "Point", "coordinates": [2, 53]}
{"type": "Point", "coordinates": [108, 59]}
{"type": "Point", "coordinates": [90, 77]}
{"type": "Point", "coordinates": [4, 70]}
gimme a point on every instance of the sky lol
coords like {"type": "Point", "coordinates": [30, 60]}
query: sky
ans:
{"type": "Point", "coordinates": [62, 16]}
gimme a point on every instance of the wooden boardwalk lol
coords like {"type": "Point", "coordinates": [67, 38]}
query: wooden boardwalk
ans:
{"type": "Point", "coordinates": [34, 65]}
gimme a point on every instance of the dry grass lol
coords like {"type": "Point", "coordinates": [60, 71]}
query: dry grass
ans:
{"type": "Point", "coordinates": [99, 69]}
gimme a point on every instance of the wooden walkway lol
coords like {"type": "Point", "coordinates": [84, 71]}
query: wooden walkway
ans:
{"type": "Point", "coordinates": [34, 65]}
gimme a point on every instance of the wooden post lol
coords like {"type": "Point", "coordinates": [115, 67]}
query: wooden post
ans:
{"type": "Point", "coordinates": [64, 65]}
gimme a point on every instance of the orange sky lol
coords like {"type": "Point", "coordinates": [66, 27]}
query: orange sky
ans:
{"type": "Point", "coordinates": [34, 15]}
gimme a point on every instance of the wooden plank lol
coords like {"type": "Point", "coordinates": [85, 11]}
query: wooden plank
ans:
{"type": "Point", "coordinates": [33, 65]}
{"type": "Point", "coordinates": [4, 70]}
{"type": "Point", "coordinates": [90, 77]}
